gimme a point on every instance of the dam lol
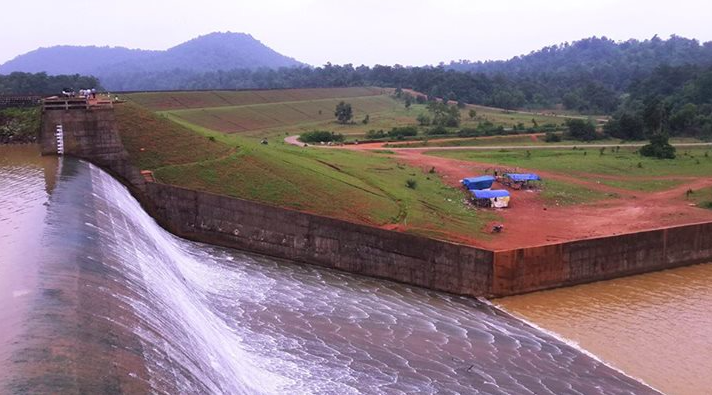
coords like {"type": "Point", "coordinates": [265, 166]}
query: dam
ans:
{"type": "Point", "coordinates": [98, 298]}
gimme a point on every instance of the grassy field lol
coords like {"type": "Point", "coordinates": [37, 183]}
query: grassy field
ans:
{"type": "Point", "coordinates": [563, 194]}
{"type": "Point", "coordinates": [164, 101]}
{"type": "Point", "coordinates": [274, 119]}
{"type": "Point", "coordinates": [278, 113]}
{"type": "Point", "coordinates": [362, 187]}
{"type": "Point", "coordinates": [526, 139]}
{"type": "Point", "coordinates": [702, 198]}
{"type": "Point", "coordinates": [624, 163]}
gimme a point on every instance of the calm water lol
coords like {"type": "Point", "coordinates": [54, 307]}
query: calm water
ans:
{"type": "Point", "coordinates": [657, 326]}
{"type": "Point", "coordinates": [96, 298]}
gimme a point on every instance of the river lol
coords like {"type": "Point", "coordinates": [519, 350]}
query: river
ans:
{"type": "Point", "coordinates": [95, 297]}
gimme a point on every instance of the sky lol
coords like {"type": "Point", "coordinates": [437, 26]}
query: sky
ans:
{"type": "Point", "coordinates": [406, 32]}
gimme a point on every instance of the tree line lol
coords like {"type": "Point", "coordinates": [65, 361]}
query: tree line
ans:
{"type": "Point", "coordinates": [42, 84]}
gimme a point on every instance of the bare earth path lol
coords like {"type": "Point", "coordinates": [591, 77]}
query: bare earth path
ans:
{"type": "Point", "coordinates": [530, 221]}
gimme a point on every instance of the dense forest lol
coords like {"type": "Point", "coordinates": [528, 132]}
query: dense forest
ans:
{"type": "Point", "coordinates": [672, 100]}
{"type": "Point", "coordinates": [43, 84]}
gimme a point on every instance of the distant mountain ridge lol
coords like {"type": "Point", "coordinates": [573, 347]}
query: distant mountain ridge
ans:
{"type": "Point", "coordinates": [211, 52]}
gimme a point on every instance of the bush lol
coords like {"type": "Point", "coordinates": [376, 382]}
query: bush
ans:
{"type": "Point", "coordinates": [404, 131]}
{"type": "Point", "coordinates": [485, 128]}
{"type": "Point", "coordinates": [582, 130]}
{"type": "Point", "coordinates": [423, 120]}
{"type": "Point", "coordinates": [375, 134]}
{"type": "Point", "coordinates": [436, 130]}
{"type": "Point", "coordinates": [551, 137]}
{"type": "Point", "coordinates": [659, 147]}
{"type": "Point", "coordinates": [321, 136]}
{"type": "Point", "coordinates": [411, 183]}
{"type": "Point", "coordinates": [19, 125]}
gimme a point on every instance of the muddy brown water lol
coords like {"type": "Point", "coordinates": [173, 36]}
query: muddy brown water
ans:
{"type": "Point", "coordinates": [96, 298]}
{"type": "Point", "coordinates": [657, 326]}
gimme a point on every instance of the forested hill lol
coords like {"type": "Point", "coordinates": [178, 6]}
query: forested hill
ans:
{"type": "Point", "coordinates": [571, 73]}
{"type": "Point", "coordinates": [212, 52]}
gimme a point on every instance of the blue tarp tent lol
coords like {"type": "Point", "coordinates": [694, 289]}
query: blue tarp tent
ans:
{"type": "Point", "coordinates": [482, 182]}
{"type": "Point", "coordinates": [497, 198]}
{"type": "Point", "coordinates": [521, 177]}
{"type": "Point", "coordinates": [494, 193]}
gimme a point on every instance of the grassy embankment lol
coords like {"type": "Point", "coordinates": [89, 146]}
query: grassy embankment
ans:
{"type": "Point", "coordinates": [621, 168]}
{"type": "Point", "coordinates": [275, 114]}
{"type": "Point", "coordinates": [361, 187]}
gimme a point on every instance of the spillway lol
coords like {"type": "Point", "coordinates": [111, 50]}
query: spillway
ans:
{"type": "Point", "coordinates": [104, 300]}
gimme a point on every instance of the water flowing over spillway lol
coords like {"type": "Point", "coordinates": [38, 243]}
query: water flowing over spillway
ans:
{"type": "Point", "coordinates": [117, 304]}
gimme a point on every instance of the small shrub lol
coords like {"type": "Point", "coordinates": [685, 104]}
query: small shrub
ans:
{"type": "Point", "coordinates": [319, 136]}
{"type": "Point", "coordinates": [211, 138]}
{"type": "Point", "coordinates": [375, 134]}
{"type": "Point", "coordinates": [436, 130]}
{"type": "Point", "coordinates": [423, 120]}
{"type": "Point", "coordinates": [551, 137]}
{"type": "Point", "coordinates": [404, 131]}
{"type": "Point", "coordinates": [411, 183]}
{"type": "Point", "coordinates": [659, 147]}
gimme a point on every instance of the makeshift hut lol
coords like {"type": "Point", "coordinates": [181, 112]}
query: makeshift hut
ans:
{"type": "Point", "coordinates": [497, 198]}
{"type": "Point", "coordinates": [520, 180]}
{"type": "Point", "coordinates": [482, 182]}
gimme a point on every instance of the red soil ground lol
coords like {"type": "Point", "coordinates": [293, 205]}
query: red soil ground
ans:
{"type": "Point", "coordinates": [530, 221]}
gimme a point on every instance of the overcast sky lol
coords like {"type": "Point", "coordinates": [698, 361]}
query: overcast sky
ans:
{"type": "Point", "coordinates": [408, 32]}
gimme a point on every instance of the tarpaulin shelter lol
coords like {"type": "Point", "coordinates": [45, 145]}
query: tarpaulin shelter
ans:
{"type": "Point", "coordinates": [491, 198]}
{"type": "Point", "coordinates": [482, 182]}
{"type": "Point", "coordinates": [519, 180]}
{"type": "Point", "coordinates": [521, 177]}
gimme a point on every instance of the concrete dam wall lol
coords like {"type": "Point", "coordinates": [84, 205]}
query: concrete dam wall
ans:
{"type": "Point", "coordinates": [92, 134]}
{"type": "Point", "coordinates": [322, 241]}
{"type": "Point", "coordinates": [429, 263]}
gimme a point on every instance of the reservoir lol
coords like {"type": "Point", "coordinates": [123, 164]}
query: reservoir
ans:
{"type": "Point", "coordinates": [656, 326]}
{"type": "Point", "coordinates": [95, 297]}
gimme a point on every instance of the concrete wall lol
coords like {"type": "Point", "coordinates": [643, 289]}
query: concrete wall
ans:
{"type": "Point", "coordinates": [415, 260]}
{"type": "Point", "coordinates": [90, 134]}
{"type": "Point", "coordinates": [536, 268]}
{"type": "Point", "coordinates": [322, 241]}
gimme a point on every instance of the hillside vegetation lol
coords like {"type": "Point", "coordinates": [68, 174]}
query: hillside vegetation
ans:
{"type": "Point", "coordinates": [154, 141]}
{"type": "Point", "coordinates": [359, 187]}
{"type": "Point", "coordinates": [277, 113]}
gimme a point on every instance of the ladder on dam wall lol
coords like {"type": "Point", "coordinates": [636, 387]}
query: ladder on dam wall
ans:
{"type": "Point", "coordinates": [59, 135]}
